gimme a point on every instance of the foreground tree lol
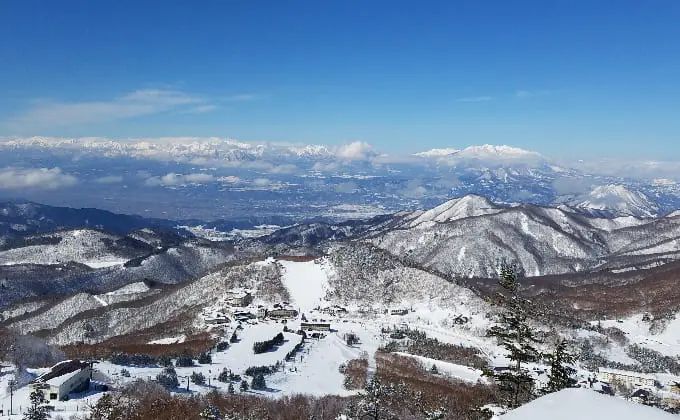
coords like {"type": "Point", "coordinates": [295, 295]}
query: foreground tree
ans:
{"type": "Point", "coordinates": [38, 409]}
{"type": "Point", "coordinates": [518, 339]}
{"type": "Point", "coordinates": [561, 373]}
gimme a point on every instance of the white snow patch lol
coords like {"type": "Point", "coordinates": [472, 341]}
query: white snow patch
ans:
{"type": "Point", "coordinates": [584, 404]}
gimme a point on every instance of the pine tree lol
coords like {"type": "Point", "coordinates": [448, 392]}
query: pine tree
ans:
{"type": "Point", "coordinates": [244, 386]}
{"type": "Point", "coordinates": [231, 388]}
{"type": "Point", "coordinates": [434, 370]}
{"type": "Point", "coordinates": [258, 382]}
{"type": "Point", "coordinates": [348, 383]}
{"type": "Point", "coordinates": [561, 374]}
{"type": "Point", "coordinates": [38, 409]}
{"type": "Point", "coordinates": [518, 338]}
{"type": "Point", "coordinates": [168, 378]}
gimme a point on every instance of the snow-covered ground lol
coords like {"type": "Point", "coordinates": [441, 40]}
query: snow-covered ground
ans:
{"type": "Point", "coordinates": [307, 283]}
{"type": "Point", "coordinates": [452, 370]}
{"type": "Point", "coordinates": [638, 331]}
{"type": "Point", "coordinates": [584, 404]}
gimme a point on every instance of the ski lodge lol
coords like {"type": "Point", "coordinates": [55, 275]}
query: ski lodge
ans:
{"type": "Point", "coordinates": [62, 379]}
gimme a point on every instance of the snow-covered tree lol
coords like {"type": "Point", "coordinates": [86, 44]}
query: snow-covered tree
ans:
{"type": "Point", "coordinates": [210, 413]}
{"type": "Point", "coordinates": [561, 373]}
{"type": "Point", "coordinates": [374, 401]}
{"type": "Point", "coordinates": [244, 386]}
{"type": "Point", "coordinates": [518, 339]}
{"type": "Point", "coordinates": [230, 389]}
{"type": "Point", "coordinates": [38, 409]}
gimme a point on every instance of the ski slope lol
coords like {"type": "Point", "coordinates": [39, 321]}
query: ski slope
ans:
{"type": "Point", "coordinates": [307, 282]}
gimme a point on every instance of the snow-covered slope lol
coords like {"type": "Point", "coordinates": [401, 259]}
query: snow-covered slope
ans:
{"type": "Point", "coordinates": [466, 237]}
{"type": "Point", "coordinates": [307, 282]}
{"type": "Point", "coordinates": [584, 404]}
{"type": "Point", "coordinates": [616, 200]}
{"type": "Point", "coordinates": [468, 206]}
{"type": "Point", "coordinates": [85, 246]}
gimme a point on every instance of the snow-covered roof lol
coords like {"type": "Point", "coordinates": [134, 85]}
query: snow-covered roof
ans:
{"type": "Point", "coordinates": [584, 404]}
{"type": "Point", "coordinates": [60, 380]}
{"type": "Point", "coordinates": [61, 372]}
{"type": "Point", "coordinates": [627, 373]}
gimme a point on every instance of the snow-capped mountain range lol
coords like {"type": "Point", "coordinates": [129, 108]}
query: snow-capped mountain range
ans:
{"type": "Point", "coordinates": [144, 176]}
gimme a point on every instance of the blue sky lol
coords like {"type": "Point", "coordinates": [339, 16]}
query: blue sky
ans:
{"type": "Point", "coordinates": [563, 77]}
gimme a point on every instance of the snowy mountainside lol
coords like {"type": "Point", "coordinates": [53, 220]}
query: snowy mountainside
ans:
{"type": "Point", "coordinates": [611, 200]}
{"type": "Point", "coordinates": [541, 240]}
{"type": "Point", "coordinates": [163, 266]}
{"type": "Point", "coordinates": [23, 218]}
{"type": "Point", "coordinates": [84, 246]}
{"type": "Point", "coordinates": [468, 206]}
{"type": "Point", "coordinates": [181, 304]}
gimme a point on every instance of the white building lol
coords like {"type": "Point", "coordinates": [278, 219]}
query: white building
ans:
{"type": "Point", "coordinates": [239, 297]}
{"type": "Point", "coordinates": [63, 378]}
{"type": "Point", "coordinates": [626, 377]}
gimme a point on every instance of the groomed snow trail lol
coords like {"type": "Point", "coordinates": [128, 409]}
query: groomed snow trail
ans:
{"type": "Point", "coordinates": [307, 283]}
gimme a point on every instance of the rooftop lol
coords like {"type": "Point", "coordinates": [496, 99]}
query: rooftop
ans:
{"type": "Point", "coordinates": [61, 372]}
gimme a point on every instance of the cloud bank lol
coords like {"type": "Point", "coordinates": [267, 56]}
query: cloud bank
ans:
{"type": "Point", "coordinates": [41, 178]}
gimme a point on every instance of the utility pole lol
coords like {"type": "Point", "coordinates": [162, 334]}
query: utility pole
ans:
{"type": "Point", "coordinates": [12, 385]}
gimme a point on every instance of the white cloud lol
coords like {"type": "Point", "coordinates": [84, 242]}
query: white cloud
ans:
{"type": "Point", "coordinates": [109, 179]}
{"type": "Point", "coordinates": [43, 178]}
{"type": "Point", "coordinates": [474, 99]}
{"type": "Point", "coordinates": [346, 187]}
{"type": "Point", "coordinates": [414, 189]}
{"type": "Point", "coordinates": [201, 109]}
{"type": "Point", "coordinates": [135, 104]}
{"type": "Point", "coordinates": [173, 179]}
{"type": "Point", "coordinates": [285, 169]}
{"type": "Point", "coordinates": [531, 93]}
{"type": "Point", "coordinates": [242, 97]}
{"type": "Point", "coordinates": [326, 166]}
{"type": "Point", "coordinates": [357, 150]}
{"type": "Point", "coordinates": [572, 186]}
{"type": "Point", "coordinates": [262, 182]}
{"type": "Point", "coordinates": [230, 179]}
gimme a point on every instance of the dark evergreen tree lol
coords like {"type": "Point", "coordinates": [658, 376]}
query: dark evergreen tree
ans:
{"type": "Point", "coordinates": [205, 359]}
{"type": "Point", "coordinates": [184, 360]}
{"type": "Point", "coordinates": [258, 382]}
{"type": "Point", "coordinates": [234, 338]}
{"type": "Point", "coordinates": [244, 386]}
{"type": "Point", "coordinates": [168, 378]}
{"type": "Point", "coordinates": [561, 373]}
{"type": "Point", "coordinates": [38, 409]}
{"type": "Point", "coordinates": [434, 370]}
{"type": "Point", "coordinates": [198, 378]}
{"type": "Point", "coordinates": [230, 389]}
{"type": "Point", "coordinates": [224, 375]}
{"type": "Point", "coordinates": [516, 336]}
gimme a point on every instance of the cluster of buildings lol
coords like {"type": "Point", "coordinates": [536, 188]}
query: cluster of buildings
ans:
{"type": "Point", "coordinates": [279, 311]}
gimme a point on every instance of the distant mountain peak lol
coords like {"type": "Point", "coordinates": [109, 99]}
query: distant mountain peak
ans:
{"type": "Point", "coordinates": [484, 151]}
{"type": "Point", "coordinates": [459, 208]}
{"type": "Point", "coordinates": [617, 200]}
{"type": "Point", "coordinates": [438, 152]}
